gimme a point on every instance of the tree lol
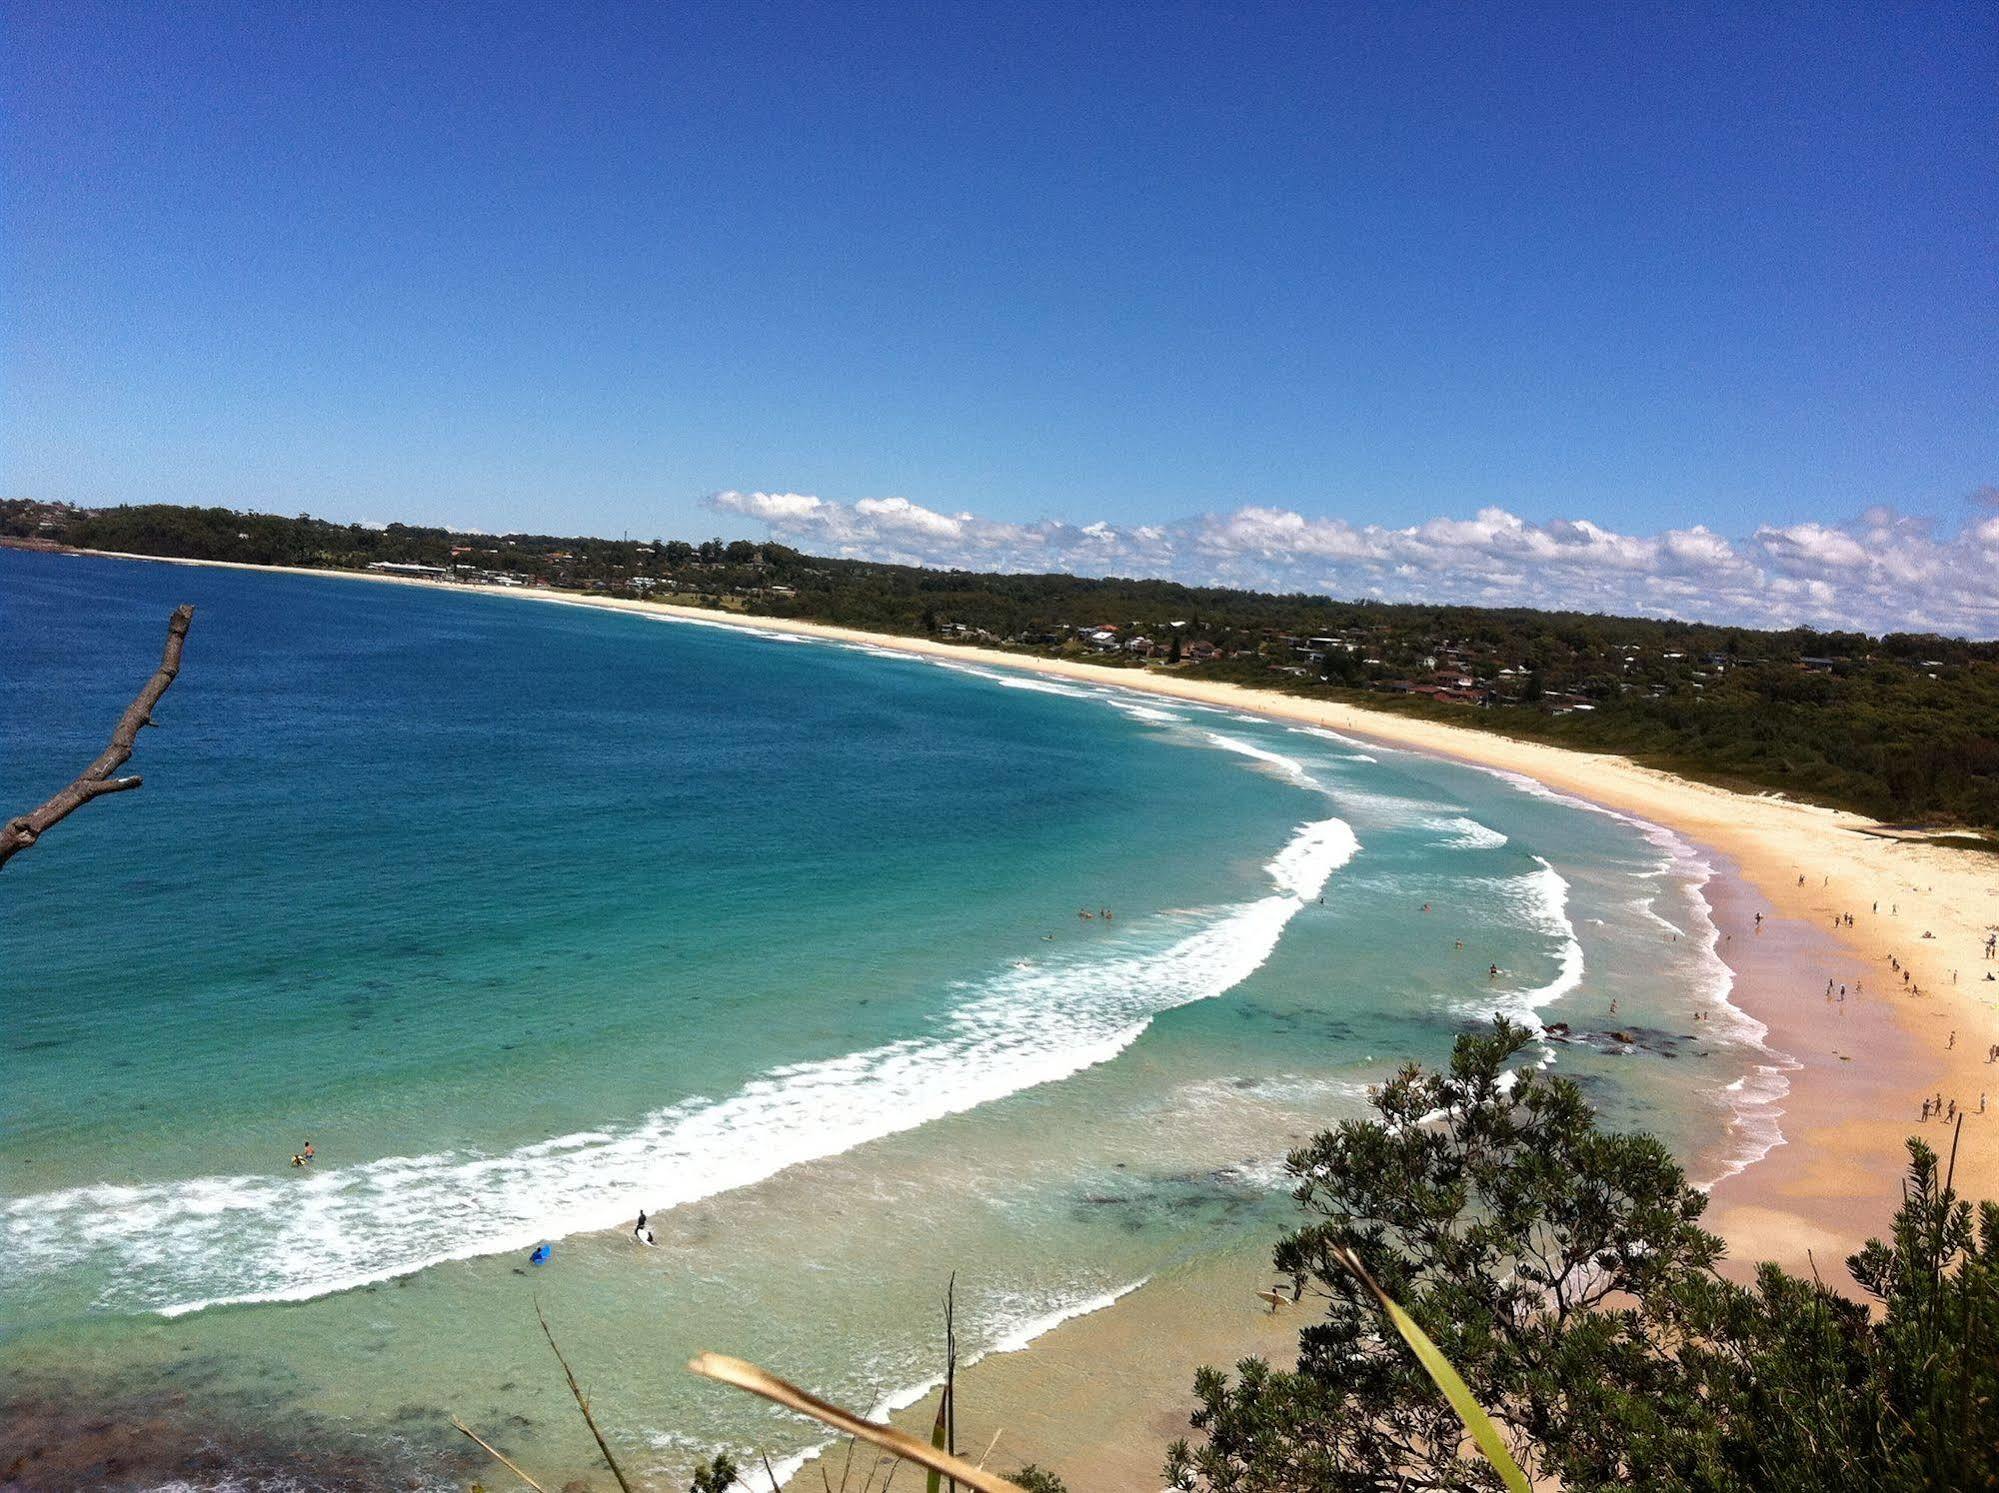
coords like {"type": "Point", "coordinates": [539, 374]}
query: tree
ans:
{"type": "Point", "coordinates": [715, 1476]}
{"type": "Point", "coordinates": [1563, 1271]}
{"type": "Point", "coordinates": [741, 552]}
{"type": "Point", "coordinates": [1038, 1480]}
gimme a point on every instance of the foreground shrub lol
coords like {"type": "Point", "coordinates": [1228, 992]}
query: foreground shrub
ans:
{"type": "Point", "coordinates": [1563, 1271]}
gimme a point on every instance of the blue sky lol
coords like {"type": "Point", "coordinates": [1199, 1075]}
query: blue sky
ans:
{"type": "Point", "coordinates": [559, 268]}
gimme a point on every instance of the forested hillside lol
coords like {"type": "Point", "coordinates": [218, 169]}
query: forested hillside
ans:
{"type": "Point", "coordinates": [1903, 727]}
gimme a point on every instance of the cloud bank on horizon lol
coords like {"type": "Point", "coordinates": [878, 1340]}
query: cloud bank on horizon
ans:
{"type": "Point", "coordinates": [1882, 572]}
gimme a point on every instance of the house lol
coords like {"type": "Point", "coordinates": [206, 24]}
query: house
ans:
{"type": "Point", "coordinates": [1201, 651]}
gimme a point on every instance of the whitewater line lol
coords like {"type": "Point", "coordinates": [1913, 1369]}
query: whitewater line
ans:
{"type": "Point", "coordinates": [180, 1247]}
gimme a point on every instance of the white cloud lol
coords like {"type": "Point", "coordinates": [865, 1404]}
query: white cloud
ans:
{"type": "Point", "coordinates": [1882, 571]}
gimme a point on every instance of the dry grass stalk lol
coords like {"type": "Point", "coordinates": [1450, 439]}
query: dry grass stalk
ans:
{"type": "Point", "coordinates": [583, 1403]}
{"type": "Point", "coordinates": [498, 1455]}
{"type": "Point", "coordinates": [741, 1375]}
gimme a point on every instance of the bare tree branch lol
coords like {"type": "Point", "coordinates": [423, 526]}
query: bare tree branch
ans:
{"type": "Point", "coordinates": [582, 1402]}
{"type": "Point", "coordinates": [501, 1456]}
{"type": "Point", "coordinates": [95, 781]}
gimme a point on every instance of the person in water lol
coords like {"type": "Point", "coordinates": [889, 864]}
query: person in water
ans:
{"type": "Point", "coordinates": [297, 1160]}
{"type": "Point", "coordinates": [308, 1152]}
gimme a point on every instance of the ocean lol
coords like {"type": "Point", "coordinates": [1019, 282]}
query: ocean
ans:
{"type": "Point", "coordinates": [855, 970]}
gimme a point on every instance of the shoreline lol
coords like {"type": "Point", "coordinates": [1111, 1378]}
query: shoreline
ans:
{"type": "Point", "coordinates": [1862, 1066]}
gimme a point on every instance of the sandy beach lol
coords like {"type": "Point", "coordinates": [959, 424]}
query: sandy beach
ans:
{"type": "Point", "coordinates": [1918, 1017]}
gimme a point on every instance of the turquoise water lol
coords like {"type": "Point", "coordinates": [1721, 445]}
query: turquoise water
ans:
{"type": "Point", "coordinates": [531, 915]}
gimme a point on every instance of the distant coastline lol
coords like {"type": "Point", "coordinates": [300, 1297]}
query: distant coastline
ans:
{"type": "Point", "coordinates": [1862, 1071]}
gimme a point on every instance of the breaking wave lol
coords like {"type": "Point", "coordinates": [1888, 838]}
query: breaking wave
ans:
{"type": "Point", "coordinates": [178, 1247]}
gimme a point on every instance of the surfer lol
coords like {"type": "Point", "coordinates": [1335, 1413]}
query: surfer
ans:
{"type": "Point", "coordinates": [541, 1256]}
{"type": "Point", "coordinates": [1493, 973]}
{"type": "Point", "coordinates": [640, 1232]}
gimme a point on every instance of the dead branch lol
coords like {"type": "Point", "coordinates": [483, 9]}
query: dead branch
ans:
{"type": "Point", "coordinates": [498, 1454]}
{"type": "Point", "coordinates": [96, 780]}
{"type": "Point", "coordinates": [583, 1403]}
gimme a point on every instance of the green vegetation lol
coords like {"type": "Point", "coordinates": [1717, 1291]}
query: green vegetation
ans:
{"type": "Point", "coordinates": [1903, 727]}
{"type": "Point", "coordinates": [1564, 1273]}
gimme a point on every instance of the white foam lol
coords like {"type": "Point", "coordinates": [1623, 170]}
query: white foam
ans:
{"type": "Point", "coordinates": [1356, 753]}
{"type": "Point", "coordinates": [1757, 1099]}
{"type": "Point", "coordinates": [1288, 768]}
{"type": "Point", "coordinates": [1147, 713]}
{"type": "Point", "coordinates": [1543, 898]}
{"type": "Point", "coordinates": [1467, 834]}
{"type": "Point", "coordinates": [178, 1247]}
{"type": "Point", "coordinates": [1007, 680]}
